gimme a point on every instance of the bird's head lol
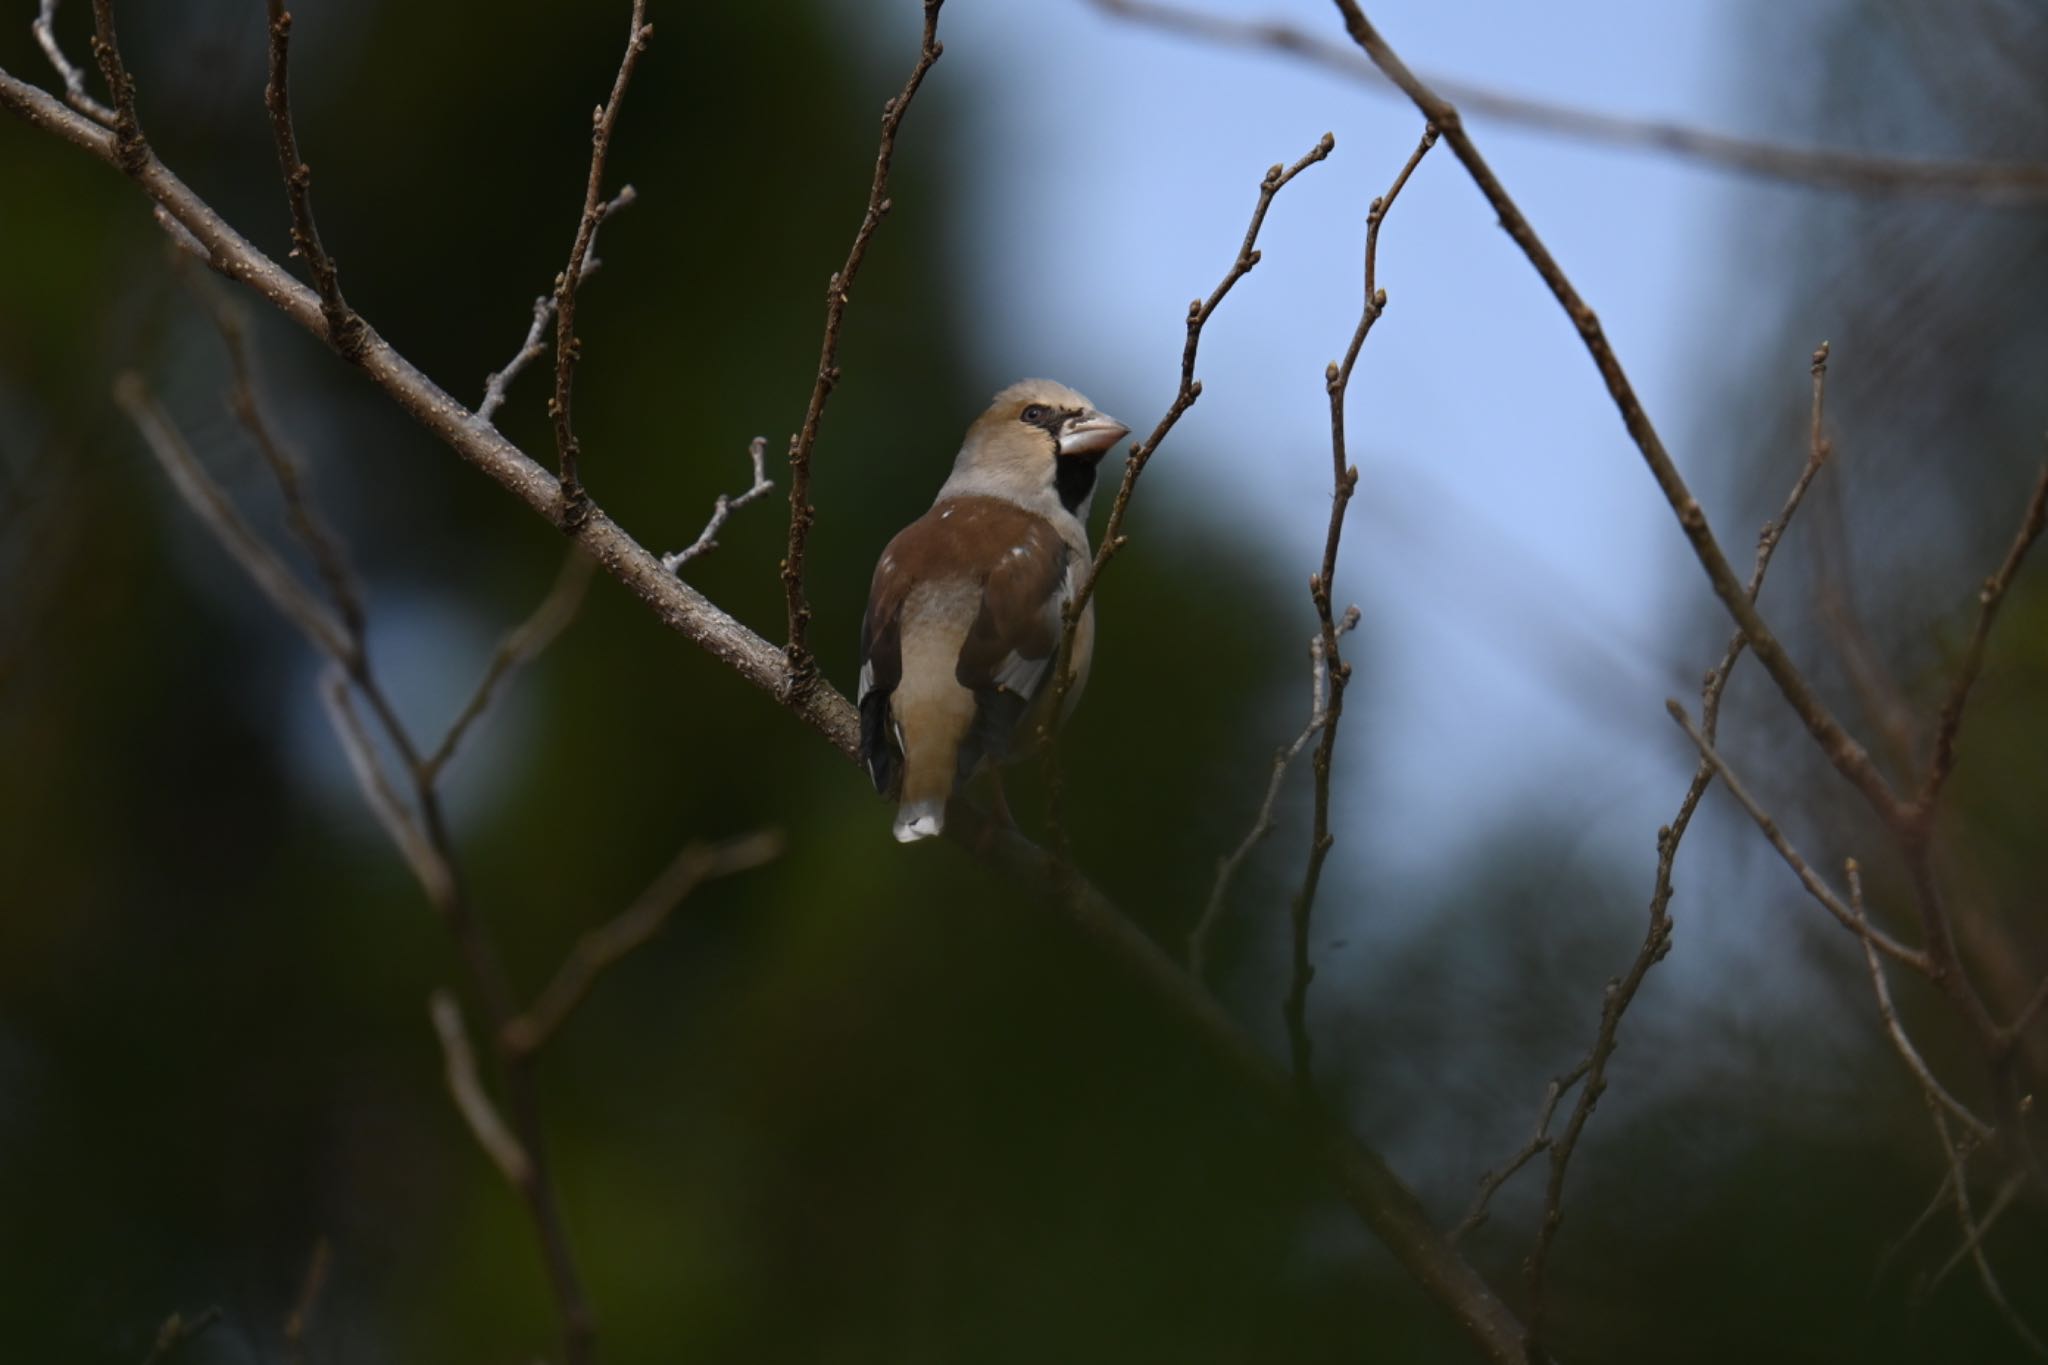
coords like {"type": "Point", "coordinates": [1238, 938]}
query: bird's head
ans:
{"type": "Point", "coordinates": [1037, 439]}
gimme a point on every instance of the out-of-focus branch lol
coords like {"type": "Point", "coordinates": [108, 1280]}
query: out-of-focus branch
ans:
{"type": "Point", "coordinates": [344, 328]}
{"type": "Point", "coordinates": [535, 345]}
{"type": "Point", "coordinates": [722, 510]}
{"type": "Point", "coordinates": [300, 1319]}
{"type": "Point", "coordinates": [472, 1101]}
{"type": "Point", "coordinates": [1936, 1092]}
{"type": "Point", "coordinates": [568, 349]}
{"type": "Point", "coordinates": [802, 668]}
{"type": "Point", "coordinates": [603, 946]}
{"type": "Point", "coordinates": [1621, 992]}
{"type": "Point", "coordinates": [1989, 598]}
{"type": "Point", "coordinates": [1190, 389]}
{"type": "Point", "coordinates": [1264, 823]}
{"type": "Point", "coordinates": [549, 619]}
{"type": "Point", "coordinates": [1841, 748]}
{"type": "Point", "coordinates": [211, 504]}
{"type": "Point", "coordinates": [45, 29]}
{"type": "Point", "coordinates": [1344, 481]}
{"type": "Point", "coordinates": [1808, 878]}
{"type": "Point", "coordinates": [2019, 183]}
{"type": "Point", "coordinates": [176, 1332]}
{"type": "Point", "coordinates": [1973, 1234]}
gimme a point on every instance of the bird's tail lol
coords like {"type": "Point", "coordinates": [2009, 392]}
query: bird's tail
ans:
{"type": "Point", "coordinates": [920, 819]}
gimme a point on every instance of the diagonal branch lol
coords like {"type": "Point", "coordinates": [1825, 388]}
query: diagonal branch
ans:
{"type": "Point", "coordinates": [1991, 182]}
{"type": "Point", "coordinates": [604, 946]}
{"type": "Point", "coordinates": [802, 667]}
{"type": "Point", "coordinates": [1841, 748]}
{"type": "Point", "coordinates": [130, 147]}
{"type": "Point", "coordinates": [1989, 598]}
{"type": "Point", "coordinates": [549, 619]}
{"type": "Point", "coordinates": [1190, 389]}
{"type": "Point", "coordinates": [44, 27]}
{"type": "Point", "coordinates": [1621, 992]}
{"type": "Point", "coordinates": [1264, 822]}
{"type": "Point", "coordinates": [345, 330]}
{"type": "Point", "coordinates": [568, 349]}
{"type": "Point", "coordinates": [1344, 481]}
{"type": "Point", "coordinates": [722, 510]}
{"type": "Point", "coordinates": [536, 345]}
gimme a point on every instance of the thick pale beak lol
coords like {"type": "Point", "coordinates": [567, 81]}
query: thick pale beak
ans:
{"type": "Point", "coordinates": [1091, 433]}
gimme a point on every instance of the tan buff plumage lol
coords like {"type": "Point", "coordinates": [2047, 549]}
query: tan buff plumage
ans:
{"type": "Point", "coordinates": [963, 616]}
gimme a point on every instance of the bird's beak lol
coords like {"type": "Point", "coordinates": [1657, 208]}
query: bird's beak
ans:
{"type": "Point", "coordinates": [1091, 433]}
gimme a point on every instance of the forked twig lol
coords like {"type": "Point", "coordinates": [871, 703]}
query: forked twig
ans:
{"type": "Point", "coordinates": [722, 510]}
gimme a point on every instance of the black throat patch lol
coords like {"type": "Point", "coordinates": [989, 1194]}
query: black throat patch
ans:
{"type": "Point", "coordinates": [1074, 478]}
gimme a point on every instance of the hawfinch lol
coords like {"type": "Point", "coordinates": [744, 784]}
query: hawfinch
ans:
{"type": "Point", "coordinates": [963, 617]}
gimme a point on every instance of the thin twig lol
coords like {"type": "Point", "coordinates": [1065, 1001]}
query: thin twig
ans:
{"type": "Point", "coordinates": [131, 148]}
{"type": "Point", "coordinates": [801, 667]}
{"type": "Point", "coordinates": [1935, 1091]}
{"type": "Point", "coordinates": [1981, 181]}
{"type": "Point", "coordinates": [535, 344]}
{"type": "Point", "coordinates": [1973, 1237]}
{"type": "Point", "coordinates": [2000, 1202]}
{"type": "Point", "coordinates": [210, 502]}
{"type": "Point", "coordinates": [1344, 481]}
{"type": "Point", "coordinates": [1841, 748]}
{"type": "Point", "coordinates": [1540, 1141]}
{"type": "Point", "coordinates": [1621, 991]}
{"type": "Point", "coordinates": [44, 27]}
{"type": "Point", "coordinates": [344, 328]}
{"type": "Point", "coordinates": [467, 1089]}
{"type": "Point", "coordinates": [1989, 598]}
{"type": "Point", "coordinates": [1913, 958]}
{"type": "Point", "coordinates": [605, 945]}
{"type": "Point", "coordinates": [428, 865]}
{"type": "Point", "coordinates": [722, 510]}
{"type": "Point", "coordinates": [1264, 822]}
{"type": "Point", "coordinates": [548, 620]}
{"type": "Point", "coordinates": [568, 347]}
{"type": "Point", "coordinates": [300, 1318]}
{"type": "Point", "coordinates": [330, 561]}
{"type": "Point", "coordinates": [178, 1331]}
{"type": "Point", "coordinates": [1141, 452]}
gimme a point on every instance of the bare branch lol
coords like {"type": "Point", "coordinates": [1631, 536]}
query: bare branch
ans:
{"type": "Point", "coordinates": [429, 865]}
{"type": "Point", "coordinates": [604, 946]}
{"type": "Point", "coordinates": [176, 1332]}
{"type": "Point", "coordinates": [1539, 1142]}
{"type": "Point", "coordinates": [1841, 748]}
{"type": "Point", "coordinates": [301, 1316]}
{"type": "Point", "coordinates": [467, 1089]}
{"type": "Point", "coordinates": [2000, 1202]}
{"type": "Point", "coordinates": [1344, 480]}
{"type": "Point", "coordinates": [345, 330]}
{"type": "Point", "coordinates": [1190, 389]}
{"type": "Point", "coordinates": [1981, 181]}
{"type": "Point", "coordinates": [1989, 598]}
{"type": "Point", "coordinates": [536, 343]}
{"type": "Point", "coordinates": [1621, 992]}
{"type": "Point", "coordinates": [1815, 887]}
{"type": "Point", "coordinates": [130, 148]}
{"type": "Point", "coordinates": [330, 561]}
{"type": "Point", "coordinates": [1263, 823]}
{"type": "Point", "coordinates": [1935, 1091]}
{"type": "Point", "coordinates": [210, 502]}
{"type": "Point", "coordinates": [722, 510]}
{"type": "Point", "coordinates": [802, 668]}
{"type": "Point", "coordinates": [568, 348]}
{"type": "Point", "coordinates": [44, 27]}
{"type": "Point", "coordinates": [521, 644]}
{"type": "Point", "coordinates": [1973, 1237]}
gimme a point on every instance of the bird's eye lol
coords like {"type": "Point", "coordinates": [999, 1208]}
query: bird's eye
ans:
{"type": "Point", "coordinates": [1034, 413]}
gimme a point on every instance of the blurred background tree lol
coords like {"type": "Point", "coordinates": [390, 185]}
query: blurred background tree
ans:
{"type": "Point", "coordinates": [853, 1106]}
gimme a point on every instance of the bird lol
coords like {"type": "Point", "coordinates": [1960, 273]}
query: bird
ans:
{"type": "Point", "coordinates": [964, 613]}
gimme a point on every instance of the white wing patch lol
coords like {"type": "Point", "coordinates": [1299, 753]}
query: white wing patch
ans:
{"type": "Point", "coordinates": [867, 682]}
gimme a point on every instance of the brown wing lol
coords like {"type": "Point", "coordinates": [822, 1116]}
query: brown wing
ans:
{"type": "Point", "coordinates": [1020, 563]}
